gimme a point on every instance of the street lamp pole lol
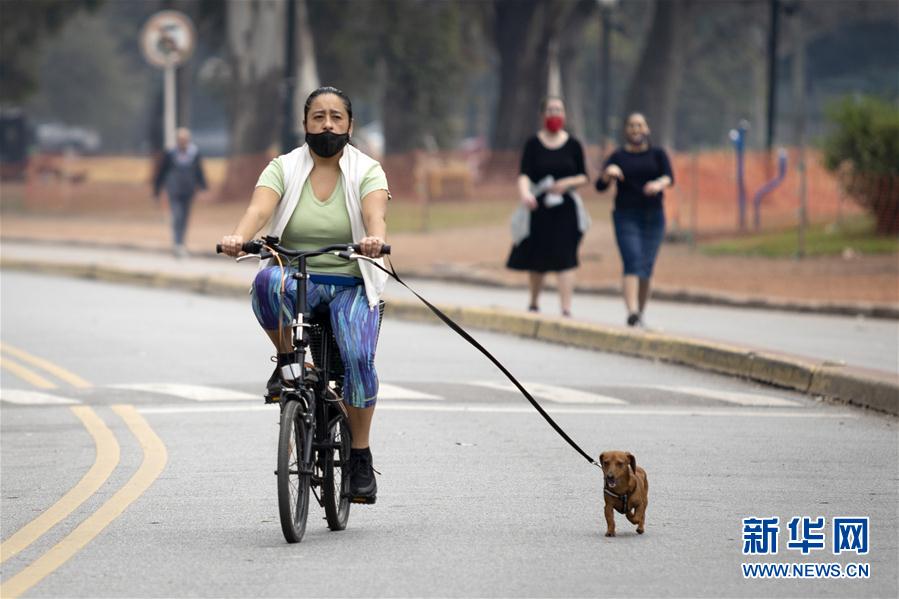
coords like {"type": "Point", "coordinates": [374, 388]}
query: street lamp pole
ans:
{"type": "Point", "coordinates": [799, 102]}
{"type": "Point", "coordinates": [772, 73]}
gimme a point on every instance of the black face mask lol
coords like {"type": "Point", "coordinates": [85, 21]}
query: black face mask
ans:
{"type": "Point", "coordinates": [326, 143]}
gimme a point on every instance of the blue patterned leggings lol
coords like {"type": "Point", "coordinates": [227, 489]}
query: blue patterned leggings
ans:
{"type": "Point", "coordinates": [355, 325]}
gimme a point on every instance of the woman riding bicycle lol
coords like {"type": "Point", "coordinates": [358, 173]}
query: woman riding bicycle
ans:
{"type": "Point", "coordinates": [322, 193]}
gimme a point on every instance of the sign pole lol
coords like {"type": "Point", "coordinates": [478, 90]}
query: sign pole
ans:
{"type": "Point", "coordinates": [169, 105]}
{"type": "Point", "coordinates": [166, 41]}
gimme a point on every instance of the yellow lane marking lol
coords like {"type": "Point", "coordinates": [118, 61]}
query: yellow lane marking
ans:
{"type": "Point", "coordinates": [155, 457]}
{"type": "Point", "coordinates": [49, 367]}
{"type": "Point", "coordinates": [107, 458]}
{"type": "Point", "coordinates": [29, 376]}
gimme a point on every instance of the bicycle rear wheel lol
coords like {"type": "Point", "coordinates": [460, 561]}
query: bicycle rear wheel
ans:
{"type": "Point", "coordinates": [293, 482]}
{"type": "Point", "coordinates": [336, 487]}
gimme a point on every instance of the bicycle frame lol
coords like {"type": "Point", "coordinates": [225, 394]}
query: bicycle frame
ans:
{"type": "Point", "coordinates": [300, 342]}
{"type": "Point", "coordinates": [311, 392]}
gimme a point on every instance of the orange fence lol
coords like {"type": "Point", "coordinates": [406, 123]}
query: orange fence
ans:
{"type": "Point", "coordinates": [703, 200]}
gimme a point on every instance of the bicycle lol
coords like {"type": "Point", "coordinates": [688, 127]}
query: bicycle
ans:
{"type": "Point", "coordinates": [314, 440]}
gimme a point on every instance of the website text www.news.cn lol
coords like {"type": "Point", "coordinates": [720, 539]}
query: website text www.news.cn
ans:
{"type": "Point", "coordinates": [807, 536]}
{"type": "Point", "coordinates": [806, 570]}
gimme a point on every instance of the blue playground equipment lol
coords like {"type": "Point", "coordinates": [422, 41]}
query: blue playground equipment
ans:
{"type": "Point", "coordinates": [738, 137]}
{"type": "Point", "coordinates": [769, 187]}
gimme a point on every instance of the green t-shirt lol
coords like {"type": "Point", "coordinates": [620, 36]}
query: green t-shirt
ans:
{"type": "Point", "coordinates": [316, 223]}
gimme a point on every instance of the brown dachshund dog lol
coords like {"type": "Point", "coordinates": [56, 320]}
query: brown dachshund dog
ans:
{"type": "Point", "coordinates": [625, 489]}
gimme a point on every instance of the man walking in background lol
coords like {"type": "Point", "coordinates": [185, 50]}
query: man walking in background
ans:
{"type": "Point", "coordinates": [182, 173]}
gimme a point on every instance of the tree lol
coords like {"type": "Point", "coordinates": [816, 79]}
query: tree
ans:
{"type": "Point", "coordinates": [422, 63]}
{"type": "Point", "coordinates": [254, 34]}
{"type": "Point", "coordinates": [655, 84]}
{"type": "Point", "coordinates": [85, 80]}
{"type": "Point", "coordinates": [571, 64]}
{"type": "Point", "coordinates": [24, 26]}
{"type": "Point", "coordinates": [306, 76]}
{"type": "Point", "coordinates": [864, 151]}
{"type": "Point", "coordinates": [523, 32]}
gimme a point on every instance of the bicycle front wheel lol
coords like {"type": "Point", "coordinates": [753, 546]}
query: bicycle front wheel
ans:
{"type": "Point", "coordinates": [336, 488]}
{"type": "Point", "coordinates": [293, 478]}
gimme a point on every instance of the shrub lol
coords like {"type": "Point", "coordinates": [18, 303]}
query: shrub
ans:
{"type": "Point", "coordinates": [863, 151]}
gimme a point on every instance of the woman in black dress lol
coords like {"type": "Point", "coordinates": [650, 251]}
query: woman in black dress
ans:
{"type": "Point", "coordinates": [552, 167]}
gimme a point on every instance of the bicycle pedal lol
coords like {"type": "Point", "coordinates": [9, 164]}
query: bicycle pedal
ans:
{"type": "Point", "coordinates": [363, 500]}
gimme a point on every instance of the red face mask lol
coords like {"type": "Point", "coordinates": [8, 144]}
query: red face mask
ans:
{"type": "Point", "coordinates": [554, 123]}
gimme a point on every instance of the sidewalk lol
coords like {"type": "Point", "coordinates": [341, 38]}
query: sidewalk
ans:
{"type": "Point", "coordinates": [861, 284]}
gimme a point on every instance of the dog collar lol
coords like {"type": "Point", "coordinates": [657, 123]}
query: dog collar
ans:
{"type": "Point", "coordinates": [623, 498]}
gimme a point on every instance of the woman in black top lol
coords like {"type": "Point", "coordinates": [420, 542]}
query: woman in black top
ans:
{"type": "Point", "coordinates": [552, 167]}
{"type": "Point", "coordinates": [641, 173]}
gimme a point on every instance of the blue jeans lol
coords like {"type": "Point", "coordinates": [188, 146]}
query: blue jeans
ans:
{"type": "Point", "coordinates": [639, 234]}
{"type": "Point", "coordinates": [180, 207]}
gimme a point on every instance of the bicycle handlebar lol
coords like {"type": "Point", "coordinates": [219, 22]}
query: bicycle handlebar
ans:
{"type": "Point", "coordinates": [256, 246]}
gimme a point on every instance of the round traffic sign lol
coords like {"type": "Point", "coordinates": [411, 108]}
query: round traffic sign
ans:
{"type": "Point", "coordinates": [168, 38]}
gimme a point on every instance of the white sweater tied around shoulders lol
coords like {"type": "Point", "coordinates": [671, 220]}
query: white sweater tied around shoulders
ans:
{"type": "Point", "coordinates": [353, 167]}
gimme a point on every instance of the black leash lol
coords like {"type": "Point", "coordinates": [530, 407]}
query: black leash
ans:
{"type": "Point", "coordinates": [465, 335]}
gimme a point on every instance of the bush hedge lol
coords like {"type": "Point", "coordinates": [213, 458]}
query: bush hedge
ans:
{"type": "Point", "coordinates": [863, 150]}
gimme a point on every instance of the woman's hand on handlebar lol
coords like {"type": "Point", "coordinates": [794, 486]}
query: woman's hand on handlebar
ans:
{"type": "Point", "coordinates": [231, 245]}
{"type": "Point", "coordinates": [371, 246]}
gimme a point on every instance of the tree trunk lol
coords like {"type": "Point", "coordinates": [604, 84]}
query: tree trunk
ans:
{"type": "Point", "coordinates": [523, 33]}
{"type": "Point", "coordinates": [405, 95]}
{"type": "Point", "coordinates": [307, 79]}
{"type": "Point", "coordinates": [571, 63]}
{"type": "Point", "coordinates": [654, 88]}
{"type": "Point", "coordinates": [255, 39]}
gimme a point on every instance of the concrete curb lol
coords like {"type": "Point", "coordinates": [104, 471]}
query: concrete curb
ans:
{"type": "Point", "coordinates": [468, 276]}
{"type": "Point", "coordinates": [852, 385]}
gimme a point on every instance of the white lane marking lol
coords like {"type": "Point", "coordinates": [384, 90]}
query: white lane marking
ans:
{"type": "Point", "coordinates": [555, 394]}
{"type": "Point", "coordinates": [498, 409]}
{"type": "Point", "coordinates": [191, 392]}
{"type": "Point", "coordinates": [734, 397]}
{"type": "Point", "coordinates": [34, 398]}
{"type": "Point", "coordinates": [388, 391]}
{"type": "Point", "coordinates": [201, 393]}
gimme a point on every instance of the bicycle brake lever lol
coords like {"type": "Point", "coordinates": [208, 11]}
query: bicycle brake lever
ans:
{"type": "Point", "coordinates": [362, 257]}
{"type": "Point", "coordinates": [262, 256]}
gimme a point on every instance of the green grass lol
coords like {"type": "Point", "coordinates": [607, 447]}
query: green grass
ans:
{"type": "Point", "coordinates": [410, 217]}
{"type": "Point", "coordinates": [854, 234]}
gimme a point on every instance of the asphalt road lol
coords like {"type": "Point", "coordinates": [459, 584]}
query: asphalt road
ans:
{"type": "Point", "coordinates": [478, 496]}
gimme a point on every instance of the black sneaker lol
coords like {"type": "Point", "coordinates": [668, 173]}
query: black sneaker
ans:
{"type": "Point", "coordinates": [275, 383]}
{"type": "Point", "coordinates": [273, 387]}
{"type": "Point", "coordinates": [363, 487]}
{"type": "Point", "coordinates": [633, 320]}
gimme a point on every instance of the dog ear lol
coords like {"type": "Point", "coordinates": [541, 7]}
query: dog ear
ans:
{"type": "Point", "coordinates": [601, 458]}
{"type": "Point", "coordinates": [633, 461]}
